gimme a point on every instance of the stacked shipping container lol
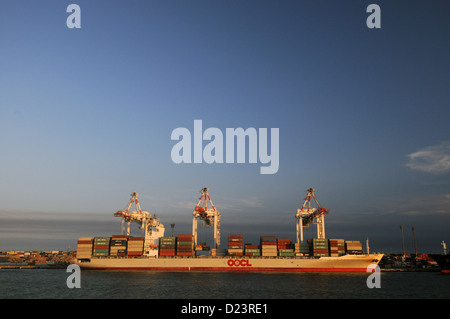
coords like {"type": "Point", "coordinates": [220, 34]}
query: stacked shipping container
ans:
{"type": "Point", "coordinates": [167, 246]}
{"type": "Point", "coordinates": [341, 247]}
{"type": "Point", "coordinates": [101, 246]}
{"type": "Point", "coordinates": [319, 247]}
{"type": "Point", "coordinates": [252, 250]}
{"type": "Point", "coordinates": [353, 247]}
{"type": "Point", "coordinates": [337, 247]}
{"type": "Point", "coordinates": [236, 245]}
{"type": "Point", "coordinates": [84, 247]}
{"type": "Point", "coordinates": [285, 247]}
{"type": "Point", "coordinates": [302, 249]}
{"type": "Point", "coordinates": [185, 245]}
{"type": "Point", "coordinates": [268, 246]}
{"type": "Point", "coordinates": [135, 246]}
{"type": "Point", "coordinates": [118, 245]}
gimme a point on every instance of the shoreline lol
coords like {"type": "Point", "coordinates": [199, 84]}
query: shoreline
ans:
{"type": "Point", "coordinates": [32, 267]}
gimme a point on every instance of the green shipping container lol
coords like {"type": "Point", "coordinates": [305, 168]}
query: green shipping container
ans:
{"type": "Point", "coordinates": [286, 250]}
{"type": "Point", "coordinates": [287, 254]}
{"type": "Point", "coordinates": [320, 246]}
{"type": "Point", "coordinates": [101, 242]}
{"type": "Point", "coordinates": [165, 246]}
{"type": "Point", "coordinates": [101, 250]}
{"type": "Point", "coordinates": [184, 243]}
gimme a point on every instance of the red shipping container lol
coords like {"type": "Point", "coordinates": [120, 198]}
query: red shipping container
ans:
{"type": "Point", "coordinates": [184, 253]}
{"type": "Point", "coordinates": [269, 243]}
{"type": "Point", "coordinates": [184, 236]}
{"type": "Point", "coordinates": [167, 250]}
{"type": "Point", "coordinates": [84, 242]}
{"type": "Point", "coordinates": [185, 250]}
{"type": "Point", "coordinates": [101, 246]}
{"type": "Point", "coordinates": [166, 254]}
{"type": "Point", "coordinates": [134, 253]}
{"type": "Point", "coordinates": [184, 246]}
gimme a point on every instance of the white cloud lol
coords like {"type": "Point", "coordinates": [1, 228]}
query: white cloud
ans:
{"type": "Point", "coordinates": [432, 159]}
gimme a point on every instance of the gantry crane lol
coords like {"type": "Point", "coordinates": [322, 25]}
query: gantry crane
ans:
{"type": "Point", "coordinates": [152, 228]}
{"type": "Point", "coordinates": [308, 215]}
{"type": "Point", "coordinates": [210, 216]}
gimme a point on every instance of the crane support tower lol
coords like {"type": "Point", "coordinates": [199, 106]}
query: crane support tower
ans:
{"type": "Point", "coordinates": [150, 225]}
{"type": "Point", "coordinates": [310, 215]}
{"type": "Point", "coordinates": [209, 215]}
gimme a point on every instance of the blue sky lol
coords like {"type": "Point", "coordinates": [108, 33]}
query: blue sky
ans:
{"type": "Point", "coordinates": [86, 116]}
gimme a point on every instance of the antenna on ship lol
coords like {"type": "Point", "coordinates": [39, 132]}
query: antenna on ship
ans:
{"type": "Point", "coordinates": [172, 226]}
{"type": "Point", "coordinates": [444, 246]}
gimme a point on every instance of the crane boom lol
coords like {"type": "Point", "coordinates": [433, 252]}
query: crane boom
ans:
{"type": "Point", "coordinates": [209, 216]}
{"type": "Point", "coordinates": [149, 224]}
{"type": "Point", "coordinates": [310, 215]}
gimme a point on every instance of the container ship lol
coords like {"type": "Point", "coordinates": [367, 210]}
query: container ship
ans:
{"type": "Point", "coordinates": [154, 251]}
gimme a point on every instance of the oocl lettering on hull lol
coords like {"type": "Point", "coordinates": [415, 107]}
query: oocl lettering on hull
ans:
{"type": "Point", "coordinates": [239, 263]}
{"type": "Point", "coordinates": [213, 152]}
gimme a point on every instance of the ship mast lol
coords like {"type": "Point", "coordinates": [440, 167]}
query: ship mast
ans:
{"type": "Point", "coordinates": [310, 215]}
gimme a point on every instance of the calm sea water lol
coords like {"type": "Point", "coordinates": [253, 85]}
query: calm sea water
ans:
{"type": "Point", "coordinates": [51, 284]}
